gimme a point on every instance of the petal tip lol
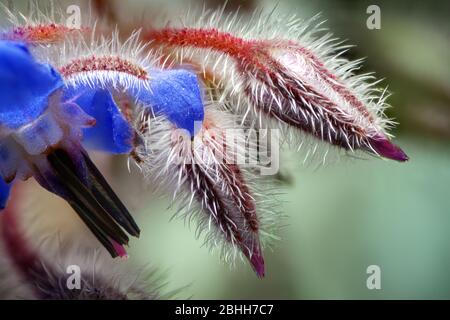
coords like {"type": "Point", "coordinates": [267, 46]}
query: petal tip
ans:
{"type": "Point", "coordinates": [257, 263]}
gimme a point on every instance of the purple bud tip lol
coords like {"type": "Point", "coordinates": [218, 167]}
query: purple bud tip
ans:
{"type": "Point", "coordinates": [120, 250]}
{"type": "Point", "coordinates": [385, 148]}
{"type": "Point", "coordinates": [257, 262]}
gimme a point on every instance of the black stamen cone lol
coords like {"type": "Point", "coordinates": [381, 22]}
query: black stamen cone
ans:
{"type": "Point", "coordinates": [93, 200]}
{"type": "Point", "coordinates": [109, 200]}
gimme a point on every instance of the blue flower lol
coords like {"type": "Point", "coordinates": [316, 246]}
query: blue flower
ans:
{"type": "Point", "coordinates": [40, 136]}
{"type": "Point", "coordinates": [45, 125]}
{"type": "Point", "coordinates": [25, 85]}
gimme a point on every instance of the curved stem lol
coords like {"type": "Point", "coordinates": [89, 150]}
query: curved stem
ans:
{"type": "Point", "coordinates": [24, 259]}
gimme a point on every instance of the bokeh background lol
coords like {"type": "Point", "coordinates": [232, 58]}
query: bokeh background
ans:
{"type": "Point", "coordinates": [348, 215]}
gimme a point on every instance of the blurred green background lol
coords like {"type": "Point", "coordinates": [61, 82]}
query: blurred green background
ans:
{"type": "Point", "coordinates": [348, 215]}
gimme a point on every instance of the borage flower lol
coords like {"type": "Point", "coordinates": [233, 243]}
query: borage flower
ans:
{"type": "Point", "coordinates": [96, 106]}
{"type": "Point", "coordinates": [277, 70]}
{"type": "Point", "coordinates": [40, 136]}
{"type": "Point", "coordinates": [266, 74]}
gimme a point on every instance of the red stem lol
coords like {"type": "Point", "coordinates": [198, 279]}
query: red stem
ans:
{"type": "Point", "coordinates": [17, 247]}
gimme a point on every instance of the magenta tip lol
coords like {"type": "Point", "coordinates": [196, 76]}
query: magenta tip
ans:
{"type": "Point", "coordinates": [385, 148]}
{"type": "Point", "coordinates": [120, 249]}
{"type": "Point", "coordinates": [257, 262]}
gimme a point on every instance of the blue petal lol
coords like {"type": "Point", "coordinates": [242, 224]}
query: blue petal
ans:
{"type": "Point", "coordinates": [4, 193]}
{"type": "Point", "coordinates": [175, 94]}
{"type": "Point", "coordinates": [25, 85]}
{"type": "Point", "coordinates": [111, 132]}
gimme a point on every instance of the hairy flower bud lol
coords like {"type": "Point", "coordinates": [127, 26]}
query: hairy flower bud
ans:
{"type": "Point", "coordinates": [276, 71]}
{"type": "Point", "coordinates": [206, 177]}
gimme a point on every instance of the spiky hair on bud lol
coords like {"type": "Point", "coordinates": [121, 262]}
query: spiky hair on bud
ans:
{"type": "Point", "coordinates": [280, 69]}
{"type": "Point", "coordinates": [105, 62]}
{"type": "Point", "coordinates": [41, 26]}
{"type": "Point", "coordinates": [208, 183]}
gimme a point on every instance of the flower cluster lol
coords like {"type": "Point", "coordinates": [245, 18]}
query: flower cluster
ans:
{"type": "Point", "coordinates": [169, 98]}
